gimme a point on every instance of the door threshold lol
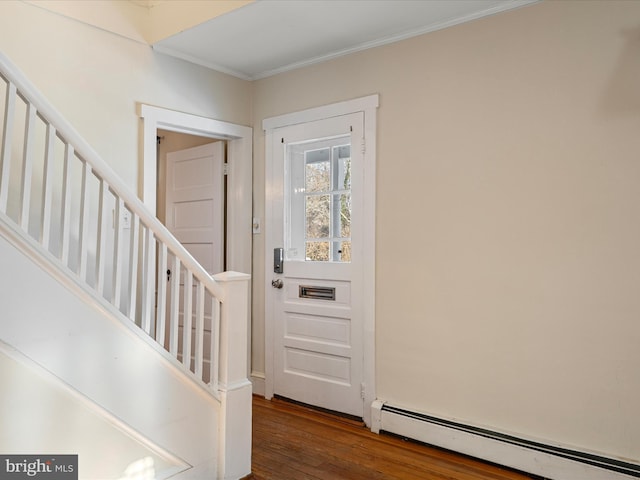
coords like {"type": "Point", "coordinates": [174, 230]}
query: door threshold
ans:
{"type": "Point", "coordinates": [325, 411]}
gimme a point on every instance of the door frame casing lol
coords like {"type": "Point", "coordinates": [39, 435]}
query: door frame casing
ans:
{"type": "Point", "coordinates": [239, 178]}
{"type": "Point", "coordinates": [368, 105]}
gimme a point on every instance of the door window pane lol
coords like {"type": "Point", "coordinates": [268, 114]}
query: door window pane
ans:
{"type": "Point", "coordinates": [342, 251]}
{"type": "Point", "coordinates": [317, 251]}
{"type": "Point", "coordinates": [342, 215]}
{"type": "Point", "coordinates": [319, 200]}
{"type": "Point", "coordinates": [343, 168]}
{"type": "Point", "coordinates": [317, 216]}
{"type": "Point", "coordinates": [317, 171]}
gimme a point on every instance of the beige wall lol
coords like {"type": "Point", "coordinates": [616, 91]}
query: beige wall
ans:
{"type": "Point", "coordinates": [96, 79]}
{"type": "Point", "coordinates": [508, 200]}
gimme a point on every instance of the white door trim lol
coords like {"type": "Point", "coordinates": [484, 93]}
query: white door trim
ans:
{"type": "Point", "coordinates": [368, 105]}
{"type": "Point", "coordinates": [239, 180]}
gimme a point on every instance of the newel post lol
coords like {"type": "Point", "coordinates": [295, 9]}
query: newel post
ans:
{"type": "Point", "coordinates": [235, 387]}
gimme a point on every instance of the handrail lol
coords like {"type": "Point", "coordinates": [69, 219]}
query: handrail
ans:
{"type": "Point", "coordinates": [104, 171]}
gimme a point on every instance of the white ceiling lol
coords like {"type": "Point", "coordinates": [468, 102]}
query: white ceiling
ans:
{"type": "Point", "coordinates": [273, 36]}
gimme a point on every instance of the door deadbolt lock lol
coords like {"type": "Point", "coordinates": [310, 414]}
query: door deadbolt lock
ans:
{"type": "Point", "coordinates": [278, 260]}
{"type": "Point", "coordinates": [277, 283]}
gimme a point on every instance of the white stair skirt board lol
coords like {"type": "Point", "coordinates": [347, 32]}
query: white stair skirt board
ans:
{"type": "Point", "coordinates": [42, 415]}
{"type": "Point", "coordinates": [528, 456]}
{"type": "Point", "coordinates": [56, 325]}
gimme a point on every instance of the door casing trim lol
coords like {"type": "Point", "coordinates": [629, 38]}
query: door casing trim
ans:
{"type": "Point", "coordinates": [368, 105]}
{"type": "Point", "coordinates": [239, 180]}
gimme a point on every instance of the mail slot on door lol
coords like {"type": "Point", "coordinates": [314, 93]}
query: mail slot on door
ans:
{"type": "Point", "coordinates": [317, 293]}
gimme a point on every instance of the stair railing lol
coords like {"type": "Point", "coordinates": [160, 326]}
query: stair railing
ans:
{"type": "Point", "coordinates": [58, 191]}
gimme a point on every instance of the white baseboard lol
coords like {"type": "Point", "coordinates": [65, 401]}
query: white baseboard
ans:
{"type": "Point", "coordinates": [257, 379]}
{"type": "Point", "coordinates": [544, 460]}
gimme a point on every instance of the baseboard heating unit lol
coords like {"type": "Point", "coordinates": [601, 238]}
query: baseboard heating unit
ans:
{"type": "Point", "coordinates": [547, 461]}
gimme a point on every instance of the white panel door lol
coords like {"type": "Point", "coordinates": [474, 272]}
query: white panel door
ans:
{"type": "Point", "coordinates": [195, 202]}
{"type": "Point", "coordinates": [317, 298]}
{"type": "Point", "coordinates": [195, 216]}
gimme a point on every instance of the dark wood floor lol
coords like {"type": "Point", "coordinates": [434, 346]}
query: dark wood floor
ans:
{"type": "Point", "coordinates": [294, 442]}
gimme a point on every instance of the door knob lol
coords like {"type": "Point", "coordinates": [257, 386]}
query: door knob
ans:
{"type": "Point", "coordinates": [277, 283]}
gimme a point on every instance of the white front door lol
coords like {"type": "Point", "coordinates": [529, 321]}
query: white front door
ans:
{"type": "Point", "coordinates": [195, 216]}
{"type": "Point", "coordinates": [317, 294]}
